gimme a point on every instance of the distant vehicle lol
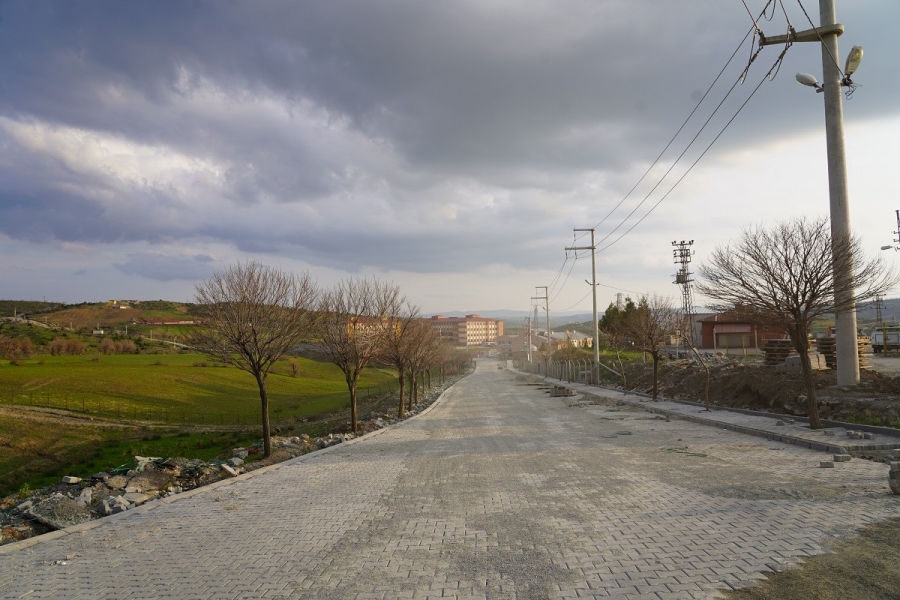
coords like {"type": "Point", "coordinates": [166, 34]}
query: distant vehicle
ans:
{"type": "Point", "coordinates": [886, 339]}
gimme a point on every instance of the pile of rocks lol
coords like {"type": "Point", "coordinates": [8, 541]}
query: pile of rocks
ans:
{"type": "Point", "coordinates": [76, 500]}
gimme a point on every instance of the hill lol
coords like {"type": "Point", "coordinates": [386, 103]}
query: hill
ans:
{"type": "Point", "coordinates": [101, 315]}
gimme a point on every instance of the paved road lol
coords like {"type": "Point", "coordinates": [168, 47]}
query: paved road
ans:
{"type": "Point", "coordinates": [499, 492]}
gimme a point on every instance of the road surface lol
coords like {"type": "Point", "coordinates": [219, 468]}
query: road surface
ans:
{"type": "Point", "coordinates": [498, 492]}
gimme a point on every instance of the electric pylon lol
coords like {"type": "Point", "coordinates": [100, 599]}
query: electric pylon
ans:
{"type": "Point", "coordinates": [682, 254]}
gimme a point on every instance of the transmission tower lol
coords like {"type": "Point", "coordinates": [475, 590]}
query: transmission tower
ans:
{"type": "Point", "coordinates": [682, 254]}
{"type": "Point", "coordinates": [879, 323]}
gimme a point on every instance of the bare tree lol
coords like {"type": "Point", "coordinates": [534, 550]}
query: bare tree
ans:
{"type": "Point", "coordinates": [398, 346]}
{"type": "Point", "coordinates": [784, 276]}
{"type": "Point", "coordinates": [356, 322]}
{"type": "Point", "coordinates": [251, 316]}
{"type": "Point", "coordinates": [650, 325]}
{"type": "Point", "coordinates": [425, 350]}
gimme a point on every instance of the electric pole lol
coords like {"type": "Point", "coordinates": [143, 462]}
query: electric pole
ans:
{"type": "Point", "coordinates": [546, 299]}
{"type": "Point", "coordinates": [833, 79]}
{"type": "Point", "coordinates": [528, 324]}
{"type": "Point", "coordinates": [682, 256]}
{"type": "Point", "coordinates": [595, 369]}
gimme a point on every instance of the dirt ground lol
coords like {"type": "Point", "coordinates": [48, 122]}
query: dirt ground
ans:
{"type": "Point", "coordinates": [866, 567]}
{"type": "Point", "coordinates": [745, 383]}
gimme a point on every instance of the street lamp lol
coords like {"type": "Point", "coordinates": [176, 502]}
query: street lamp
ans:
{"type": "Point", "coordinates": [827, 34]}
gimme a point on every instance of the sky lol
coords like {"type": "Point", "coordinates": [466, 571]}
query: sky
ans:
{"type": "Point", "coordinates": [450, 147]}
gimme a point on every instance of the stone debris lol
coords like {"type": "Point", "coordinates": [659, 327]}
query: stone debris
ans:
{"type": "Point", "coordinates": [841, 458]}
{"type": "Point", "coordinates": [84, 498]}
{"type": "Point", "coordinates": [59, 512]}
{"type": "Point", "coordinates": [70, 479]}
{"type": "Point", "coordinates": [826, 464]}
{"type": "Point", "coordinates": [894, 477]}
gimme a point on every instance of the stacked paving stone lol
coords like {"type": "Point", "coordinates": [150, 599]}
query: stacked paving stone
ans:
{"type": "Point", "coordinates": [826, 347]}
{"type": "Point", "coordinates": [777, 351]}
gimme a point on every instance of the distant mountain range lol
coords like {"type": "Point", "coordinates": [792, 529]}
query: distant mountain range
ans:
{"type": "Point", "coordinates": [516, 318]}
{"type": "Point", "coordinates": [890, 310]}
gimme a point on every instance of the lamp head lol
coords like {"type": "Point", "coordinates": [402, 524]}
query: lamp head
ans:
{"type": "Point", "coordinates": [853, 59]}
{"type": "Point", "coordinates": [809, 80]}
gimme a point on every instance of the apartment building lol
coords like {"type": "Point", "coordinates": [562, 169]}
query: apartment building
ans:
{"type": "Point", "coordinates": [471, 330]}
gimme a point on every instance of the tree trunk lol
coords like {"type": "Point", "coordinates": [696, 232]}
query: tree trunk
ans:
{"type": "Point", "coordinates": [264, 401]}
{"type": "Point", "coordinates": [351, 385]}
{"type": "Point", "coordinates": [655, 356]}
{"type": "Point", "coordinates": [705, 368]}
{"type": "Point", "coordinates": [812, 404]}
{"type": "Point", "coordinates": [412, 385]}
{"type": "Point", "coordinates": [401, 376]}
{"type": "Point", "coordinates": [622, 371]}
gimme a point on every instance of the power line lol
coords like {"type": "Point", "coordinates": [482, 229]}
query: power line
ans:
{"type": "Point", "coordinates": [694, 164]}
{"type": "Point", "coordinates": [677, 133]}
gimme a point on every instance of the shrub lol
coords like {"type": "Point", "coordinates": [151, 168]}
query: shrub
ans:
{"type": "Point", "coordinates": [16, 348]}
{"type": "Point", "coordinates": [61, 346]}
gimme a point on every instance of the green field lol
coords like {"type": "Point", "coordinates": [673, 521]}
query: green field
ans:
{"type": "Point", "coordinates": [179, 388]}
{"type": "Point", "coordinates": [81, 414]}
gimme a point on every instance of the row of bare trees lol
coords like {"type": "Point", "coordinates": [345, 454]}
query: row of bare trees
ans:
{"type": "Point", "coordinates": [781, 275]}
{"type": "Point", "coordinates": [254, 314]}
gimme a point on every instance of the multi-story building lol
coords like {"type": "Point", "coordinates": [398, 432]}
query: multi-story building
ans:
{"type": "Point", "coordinates": [471, 330]}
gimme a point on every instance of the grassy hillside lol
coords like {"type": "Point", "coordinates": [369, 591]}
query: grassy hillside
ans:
{"type": "Point", "coordinates": [88, 316]}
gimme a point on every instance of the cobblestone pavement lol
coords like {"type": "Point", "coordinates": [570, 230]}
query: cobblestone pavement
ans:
{"type": "Point", "coordinates": [498, 492]}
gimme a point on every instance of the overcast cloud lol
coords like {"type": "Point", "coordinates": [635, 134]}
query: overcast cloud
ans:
{"type": "Point", "coordinates": [449, 146]}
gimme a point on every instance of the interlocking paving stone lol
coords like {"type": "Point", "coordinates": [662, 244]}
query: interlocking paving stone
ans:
{"type": "Point", "coordinates": [498, 492]}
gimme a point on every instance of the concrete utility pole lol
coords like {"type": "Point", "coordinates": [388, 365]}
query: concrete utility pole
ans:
{"type": "Point", "coordinates": [546, 299]}
{"type": "Point", "coordinates": [595, 370]}
{"type": "Point", "coordinates": [528, 323]}
{"type": "Point", "coordinates": [845, 320]}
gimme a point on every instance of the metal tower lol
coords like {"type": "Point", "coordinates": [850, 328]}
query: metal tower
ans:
{"type": "Point", "coordinates": [682, 254]}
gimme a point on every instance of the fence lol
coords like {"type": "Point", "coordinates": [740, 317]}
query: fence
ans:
{"type": "Point", "coordinates": [573, 371]}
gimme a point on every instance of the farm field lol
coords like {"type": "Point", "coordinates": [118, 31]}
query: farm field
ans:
{"type": "Point", "coordinates": [178, 388]}
{"type": "Point", "coordinates": [82, 414]}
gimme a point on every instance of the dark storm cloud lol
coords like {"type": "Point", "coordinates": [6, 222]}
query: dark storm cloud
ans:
{"type": "Point", "coordinates": [363, 111]}
{"type": "Point", "coordinates": [163, 267]}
